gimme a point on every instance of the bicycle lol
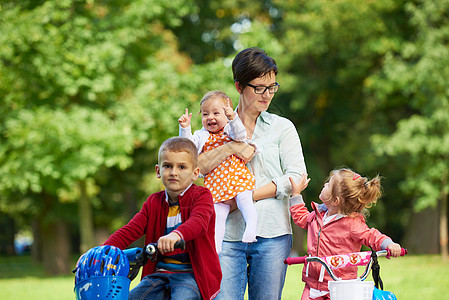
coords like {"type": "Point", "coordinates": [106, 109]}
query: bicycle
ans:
{"type": "Point", "coordinates": [352, 289]}
{"type": "Point", "coordinates": [106, 272]}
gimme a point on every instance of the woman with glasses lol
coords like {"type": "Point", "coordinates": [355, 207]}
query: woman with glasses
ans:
{"type": "Point", "coordinates": [259, 264]}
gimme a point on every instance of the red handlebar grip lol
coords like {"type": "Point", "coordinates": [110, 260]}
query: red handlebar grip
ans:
{"type": "Point", "coordinates": [403, 252]}
{"type": "Point", "coordinates": [295, 260]}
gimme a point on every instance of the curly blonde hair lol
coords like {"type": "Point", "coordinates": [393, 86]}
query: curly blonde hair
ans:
{"type": "Point", "coordinates": [357, 192]}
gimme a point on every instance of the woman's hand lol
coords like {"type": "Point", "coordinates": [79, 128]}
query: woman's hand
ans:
{"type": "Point", "coordinates": [297, 188]}
{"type": "Point", "coordinates": [209, 160]}
{"type": "Point", "coordinates": [243, 151]}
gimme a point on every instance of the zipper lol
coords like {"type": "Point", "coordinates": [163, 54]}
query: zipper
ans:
{"type": "Point", "coordinates": [318, 241]}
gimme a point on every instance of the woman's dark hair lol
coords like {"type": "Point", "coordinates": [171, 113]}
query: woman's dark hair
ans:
{"type": "Point", "coordinates": [252, 63]}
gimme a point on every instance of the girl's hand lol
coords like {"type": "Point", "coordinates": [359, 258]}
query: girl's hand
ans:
{"type": "Point", "coordinates": [167, 242]}
{"type": "Point", "coordinates": [185, 119]}
{"type": "Point", "coordinates": [229, 112]}
{"type": "Point", "coordinates": [395, 249]}
{"type": "Point", "coordinates": [297, 188]}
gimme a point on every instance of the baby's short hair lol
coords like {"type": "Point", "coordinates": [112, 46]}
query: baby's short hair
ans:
{"type": "Point", "coordinates": [179, 144]}
{"type": "Point", "coordinates": [215, 95]}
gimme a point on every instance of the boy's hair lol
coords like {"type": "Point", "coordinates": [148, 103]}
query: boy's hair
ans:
{"type": "Point", "coordinates": [252, 63]}
{"type": "Point", "coordinates": [213, 95]}
{"type": "Point", "coordinates": [179, 144]}
{"type": "Point", "coordinates": [357, 192]}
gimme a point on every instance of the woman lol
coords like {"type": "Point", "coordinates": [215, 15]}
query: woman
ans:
{"type": "Point", "coordinates": [280, 157]}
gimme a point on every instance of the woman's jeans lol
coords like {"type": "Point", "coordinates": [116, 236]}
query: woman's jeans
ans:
{"type": "Point", "coordinates": [161, 286]}
{"type": "Point", "coordinates": [260, 264]}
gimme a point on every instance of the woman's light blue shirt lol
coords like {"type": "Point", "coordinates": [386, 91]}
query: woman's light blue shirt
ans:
{"type": "Point", "coordinates": [280, 157]}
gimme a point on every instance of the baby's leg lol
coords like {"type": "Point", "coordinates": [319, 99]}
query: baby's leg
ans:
{"type": "Point", "coordinates": [221, 213]}
{"type": "Point", "coordinates": [245, 204]}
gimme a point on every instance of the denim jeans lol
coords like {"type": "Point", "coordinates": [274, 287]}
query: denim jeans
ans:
{"type": "Point", "coordinates": [260, 264]}
{"type": "Point", "coordinates": [166, 286]}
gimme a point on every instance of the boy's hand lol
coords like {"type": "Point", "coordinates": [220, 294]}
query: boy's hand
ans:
{"type": "Point", "coordinates": [229, 112]}
{"type": "Point", "coordinates": [297, 188]}
{"type": "Point", "coordinates": [167, 242]}
{"type": "Point", "coordinates": [185, 119]}
{"type": "Point", "coordinates": [395, 249]}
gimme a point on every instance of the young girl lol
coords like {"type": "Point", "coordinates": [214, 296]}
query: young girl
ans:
{"type": "Point", "coordinates": [231, 179]}
{"type": "Point", "coordinates": [337, 226]}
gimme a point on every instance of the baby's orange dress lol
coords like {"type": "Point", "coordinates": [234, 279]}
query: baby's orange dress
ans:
{"type": "Point", "coordinates": [231, 176]}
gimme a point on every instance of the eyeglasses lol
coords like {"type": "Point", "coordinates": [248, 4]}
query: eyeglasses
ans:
{"type": "Point", "coordinates": [262, 89]}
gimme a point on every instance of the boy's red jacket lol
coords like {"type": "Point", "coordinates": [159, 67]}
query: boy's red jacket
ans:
{"type": "Point", "coordinates": [197, 229]}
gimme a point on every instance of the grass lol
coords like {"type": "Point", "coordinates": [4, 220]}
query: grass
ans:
{"type": "Point", "coordinates": [410, 277]}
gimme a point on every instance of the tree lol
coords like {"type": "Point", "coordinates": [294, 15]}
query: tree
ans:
{"type": "Point", "coordinates": [52, 153]}
{"type": "Point", "coordinates": [416, 75]}
{"type": "Point", "coordinates": [68, 69]}
{"type": "Point", "coordinates": [326, 52]}
{"type": "Point", "coordinates": [329, 51]}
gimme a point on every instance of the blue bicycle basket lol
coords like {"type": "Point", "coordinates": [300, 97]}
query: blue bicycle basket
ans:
{"type": "Point", "coordinates": [101, 273]}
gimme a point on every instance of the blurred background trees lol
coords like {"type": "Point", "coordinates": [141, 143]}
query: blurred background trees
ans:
{"type": "Point", "coordinates": [90, 89]}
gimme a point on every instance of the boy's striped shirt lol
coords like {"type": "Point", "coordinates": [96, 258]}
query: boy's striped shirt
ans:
{"type": "Point", "coordinates": [178, 260]}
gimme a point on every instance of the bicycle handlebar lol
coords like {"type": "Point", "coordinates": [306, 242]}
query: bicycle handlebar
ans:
{"type": "Point", "coordinates": [138, 257]}
{"type": "Point", "coordinates": [345, 260]}
{"type": "Point", "coordinates": [337, 261]}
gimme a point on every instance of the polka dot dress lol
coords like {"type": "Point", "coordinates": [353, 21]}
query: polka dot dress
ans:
{"type": "Point", "coordinates": [231, 176]}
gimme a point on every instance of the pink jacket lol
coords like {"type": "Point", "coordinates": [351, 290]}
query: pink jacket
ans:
{"type": "Point", "coordinates": [341, 236]}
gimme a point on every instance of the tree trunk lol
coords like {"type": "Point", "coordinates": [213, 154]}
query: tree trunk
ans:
{"type": "Point", "coordinates": [36, 248]}
{"type": "Point", "coordinates": [87, 234]}
{"type": "Point", "coordinates": [422, 232]}
{"type": "Point", "coordinates": [443, 221]}
{"type": "Point", "coordinates": [7, 235]}
{"type": "Point", "coordinates": [55, 247]}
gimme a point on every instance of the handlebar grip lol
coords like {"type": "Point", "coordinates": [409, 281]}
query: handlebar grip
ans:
{"type": "Point", "coordinates": [152, 247]}
{"type": "Point", "coordinates": [295, 260]}
{"type": "Point", "coordinates": [132, 253]}
{"type": "Point", "coordinates": [404, 251]}
{"type": "Point", "coordinates": [180, 245]}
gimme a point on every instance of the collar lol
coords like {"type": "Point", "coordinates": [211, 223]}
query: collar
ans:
{"type": "Point", "coordinates": [322, 208]}
{"type": "Point", "coordinates": [182, 194]}
{"type": "Point", "coordinates": [264, 116]}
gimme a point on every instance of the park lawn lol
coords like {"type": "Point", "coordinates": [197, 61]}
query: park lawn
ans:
{"type": "Point", "coordinates": [411, 277]}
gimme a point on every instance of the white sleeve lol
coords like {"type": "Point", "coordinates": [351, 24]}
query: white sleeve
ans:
{"type": "Point", "coordinates": [235, 129]}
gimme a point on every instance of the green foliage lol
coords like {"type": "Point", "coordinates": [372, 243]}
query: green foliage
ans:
{"type": "Point", "coordinates": [90, 89]}
{"type": "Point", "coordinates": [416, 74]}
{"type": "Point", "coordinates": [53, 149]}
{"type": "Point", "coordinates": [82, 93]}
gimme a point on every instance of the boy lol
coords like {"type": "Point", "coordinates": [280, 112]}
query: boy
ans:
{"type": "Point", "coordinates": [183, 211]}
